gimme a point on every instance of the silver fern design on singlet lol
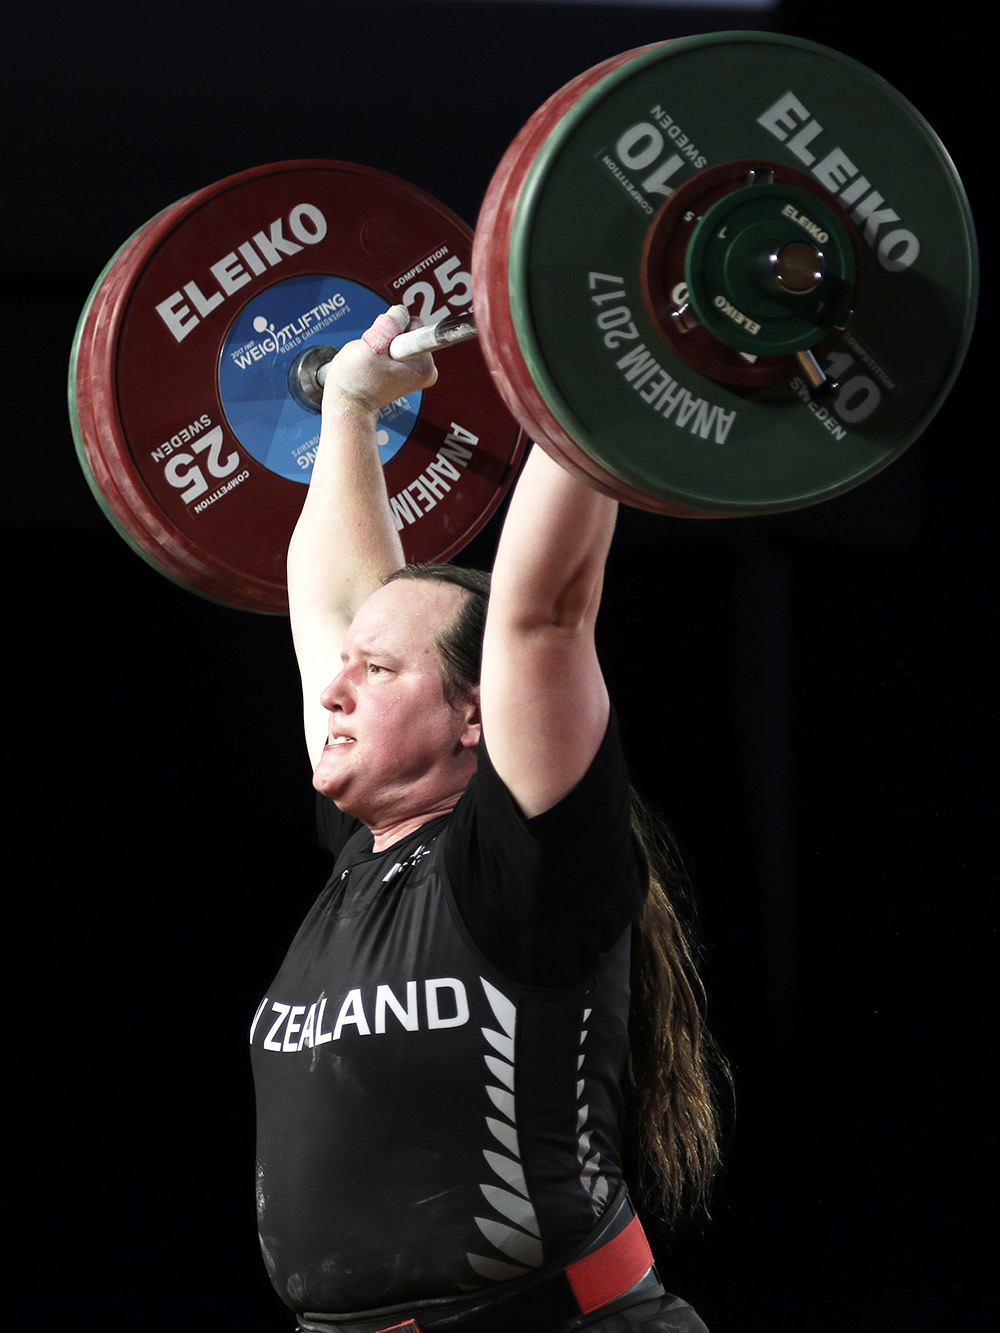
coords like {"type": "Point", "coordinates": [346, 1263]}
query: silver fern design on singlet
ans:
{"type": "Point", "coordinates": [513, 1232]}
{"type": "Point", "coordinates": [591, 1177]}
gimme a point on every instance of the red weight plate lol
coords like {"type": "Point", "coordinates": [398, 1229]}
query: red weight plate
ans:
{"type": "Point", "coordinates": [185, 410]}
{"type": "Point", "coordinates": [94, 315]}
{"type": "Point", "coordinates": [490, 278]}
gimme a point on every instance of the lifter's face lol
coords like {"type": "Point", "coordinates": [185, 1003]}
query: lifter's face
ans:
{"type": "Point", "coordinates": [395, 747]}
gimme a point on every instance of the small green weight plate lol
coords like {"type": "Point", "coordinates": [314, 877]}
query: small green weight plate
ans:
{"type": "Point", "coordinates": [729, 269]}
{"type": "Point", "coordinates": [611, 381]}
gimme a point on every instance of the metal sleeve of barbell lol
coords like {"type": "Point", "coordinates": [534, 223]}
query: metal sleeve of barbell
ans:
{"type": "Point", "coordinates": [431, 338]}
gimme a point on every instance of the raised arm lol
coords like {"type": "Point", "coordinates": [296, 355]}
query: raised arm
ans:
{"type": "Point", "coordinates": [345, 541]}
{"type": "Point", "coordinates": [544, 701]}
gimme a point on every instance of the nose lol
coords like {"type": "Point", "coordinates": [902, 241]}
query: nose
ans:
{"type": "Point", "coordinates": [338, 696]}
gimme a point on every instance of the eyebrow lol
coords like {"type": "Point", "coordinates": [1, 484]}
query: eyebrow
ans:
{"type": "Point", "coordinates": [368, 649]}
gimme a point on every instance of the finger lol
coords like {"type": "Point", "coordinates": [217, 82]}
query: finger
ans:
{"type": "Point", "coordinates": [385, 328]}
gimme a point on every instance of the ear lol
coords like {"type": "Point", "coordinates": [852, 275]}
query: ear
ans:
{"type": "Point", "coordinates": [472, 728]}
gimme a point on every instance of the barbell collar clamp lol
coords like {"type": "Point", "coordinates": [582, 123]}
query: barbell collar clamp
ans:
{"type": "Point", "coordinates": [822, 389]}
{"type": "Point", "coordinates": [685, 318]}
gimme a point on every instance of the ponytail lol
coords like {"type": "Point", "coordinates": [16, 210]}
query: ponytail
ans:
{"type": "Point", "coordinates": [674, 1065]}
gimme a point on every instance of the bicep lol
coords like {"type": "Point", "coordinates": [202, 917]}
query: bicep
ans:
{"type": "Point", "coordinates": [545, 710]}
{"type": "Point", "coordinates": [544, 701]}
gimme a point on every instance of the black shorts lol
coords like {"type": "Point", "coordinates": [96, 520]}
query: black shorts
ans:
{"type": "Point", "coordinates": [669, 1314]}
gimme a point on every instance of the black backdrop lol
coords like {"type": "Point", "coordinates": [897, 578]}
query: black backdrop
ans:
{"type": "Point", "coordinates": [810, 698]}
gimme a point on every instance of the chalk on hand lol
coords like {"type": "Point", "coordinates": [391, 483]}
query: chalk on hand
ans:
{"type": "Point", "coordinates": [386, 327]}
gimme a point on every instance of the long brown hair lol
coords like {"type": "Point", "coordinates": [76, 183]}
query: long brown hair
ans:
{"type": "Point", "coordinates": [677, 1072]}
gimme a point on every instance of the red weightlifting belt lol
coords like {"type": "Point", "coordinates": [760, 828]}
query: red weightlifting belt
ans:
{"type": "Point", "coordinates": [612, 1270]}
{"type": "Point", "coordinates": [548, 1301]}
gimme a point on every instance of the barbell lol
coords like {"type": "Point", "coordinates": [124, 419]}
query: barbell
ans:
{"type": "Point", "coordinates": [724, 275]}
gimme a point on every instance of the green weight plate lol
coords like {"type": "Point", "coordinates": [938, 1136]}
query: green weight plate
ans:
{"type": "Point", "coordinates": [667, 279]}
{"type": "Point", "coordinates": [605, 386]}
{"type": "Point", "coordinates": [734, 258]}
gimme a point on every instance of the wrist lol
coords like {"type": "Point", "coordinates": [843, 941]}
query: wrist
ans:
{"type": "Point", "coordinates": [340, 402]}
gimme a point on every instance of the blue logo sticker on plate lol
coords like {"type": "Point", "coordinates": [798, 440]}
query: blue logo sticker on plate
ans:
{"type": "Point", "coordinates": [263, 344]}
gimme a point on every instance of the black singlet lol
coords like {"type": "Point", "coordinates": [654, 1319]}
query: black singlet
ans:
{"type": "Point", "coordinates": [437, 1062]}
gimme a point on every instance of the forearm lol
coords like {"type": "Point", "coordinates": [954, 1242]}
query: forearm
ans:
{"type": "Point", "coordinates": [345, 541]}
{"type": "Point", "coordinates": [549, 568]}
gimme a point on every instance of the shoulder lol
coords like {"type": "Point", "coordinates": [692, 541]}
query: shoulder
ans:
{"type": "Point", "coordinates": [543, 897]}
{"type": "Point", "coordinates": [603, 790]}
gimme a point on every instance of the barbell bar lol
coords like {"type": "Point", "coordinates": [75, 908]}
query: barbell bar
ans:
{"type": "Point", "coordinates": [724, 275]}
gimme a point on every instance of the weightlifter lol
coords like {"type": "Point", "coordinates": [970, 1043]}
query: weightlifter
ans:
{"type": "Point", "coordinates": [438, 1062]}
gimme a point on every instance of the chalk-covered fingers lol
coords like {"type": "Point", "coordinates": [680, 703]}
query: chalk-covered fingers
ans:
{"type": "Point", "coordinates": [363, 375]}
{"type": "Point", "coordinates": [388, 326]}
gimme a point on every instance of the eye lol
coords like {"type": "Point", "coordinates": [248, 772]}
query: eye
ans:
{"type": "Point", "coordinates": [375, 669]}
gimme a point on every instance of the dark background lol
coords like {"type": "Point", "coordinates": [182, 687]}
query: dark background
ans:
{"type": "Point", "coordinates": [810, 698]}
